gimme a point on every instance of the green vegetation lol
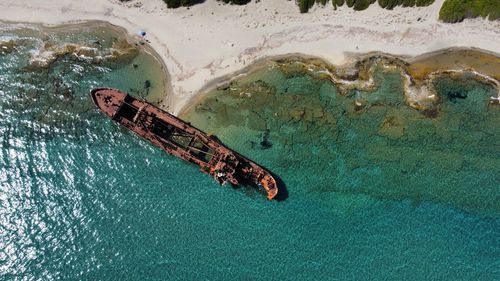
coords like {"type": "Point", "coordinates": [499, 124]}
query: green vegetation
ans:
{"type": "Point", "coordinates": [237, 2]}
{"type": "Point", "coordinates": [358, 5]}
{"type": "Point", "coordinates": [355, 4]}
{"type": "Point", "coordinates": [185, 3]}
{"type": "Point", "coordinates": [179, 3]}
{"type": "Point", "coordinates": [458, 10]}
{"type": "Point", "coordinates": [305, 5]}
{"type": "Point", "coordinates": [389, 4]}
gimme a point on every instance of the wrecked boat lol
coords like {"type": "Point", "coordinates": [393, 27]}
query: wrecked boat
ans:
{"type": "Point", "coordinates": [180, 139]}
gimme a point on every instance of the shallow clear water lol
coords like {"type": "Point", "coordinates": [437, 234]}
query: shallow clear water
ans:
{"type": "Point", "coordinates": [81, 198]}
{"type": "Point", "coordinates": [378, 190]}
{"type": "Point", "coordinates": [320, 141]}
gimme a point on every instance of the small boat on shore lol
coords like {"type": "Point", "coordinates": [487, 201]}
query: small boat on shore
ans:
{"type": "Point", "coordinates": [180, 139]}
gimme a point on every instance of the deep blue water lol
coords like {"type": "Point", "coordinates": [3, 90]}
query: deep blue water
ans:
{"type": "Point", "coordinates": [82, 199]}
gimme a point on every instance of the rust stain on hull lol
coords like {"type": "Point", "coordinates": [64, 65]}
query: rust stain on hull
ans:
{"type": "Point", "coordinates": [180, 139]}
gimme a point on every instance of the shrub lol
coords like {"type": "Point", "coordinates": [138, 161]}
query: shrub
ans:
{"type": "Point", "coordinates": [386, 4]}
{"type": "Point", "coordinates": [237, 2]}
{"type": "Point", "coordinates": [179, 3]}
{"type": "Point", "coordinates": [305, 5]}
{"type": "Point", "coordinates": [458, 10]}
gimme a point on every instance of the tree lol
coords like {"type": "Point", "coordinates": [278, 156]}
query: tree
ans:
{"type": "Point", "coordinates": [236, 2]}
{"type": "Point", "coordinates": [458, 10]}
{"type": "Point", "coordinates": [179, 3]}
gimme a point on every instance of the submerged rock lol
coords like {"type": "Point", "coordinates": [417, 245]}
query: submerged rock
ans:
{"type": "Point", "coordinates": [255, 122]}
{"type": "Point", "coordinates": [372, 140]}
{"type": "Point", "coordinates": [392, 127]}
{"type": "Point", "coordinates": [120, 52]}
{"type": "Point", "coordinates": [7, 47]}
{"type": "Point", "coordinates": [380, 152]}
{"type": "Point", "coordinates": [297, 114]}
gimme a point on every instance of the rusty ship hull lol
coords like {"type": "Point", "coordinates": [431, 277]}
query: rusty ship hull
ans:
{"type": "Point", "coordinates": [180, 139]}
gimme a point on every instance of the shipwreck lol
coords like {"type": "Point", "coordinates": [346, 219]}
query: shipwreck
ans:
{"type": "Point", "coordinates": [180, 139]}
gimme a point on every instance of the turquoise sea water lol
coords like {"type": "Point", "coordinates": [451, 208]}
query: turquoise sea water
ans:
{"type": "Point", "coordinates": [381, 192]}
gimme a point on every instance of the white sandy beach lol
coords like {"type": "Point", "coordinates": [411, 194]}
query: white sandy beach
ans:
{"type": "Point", "coordinates": [211, 40]}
